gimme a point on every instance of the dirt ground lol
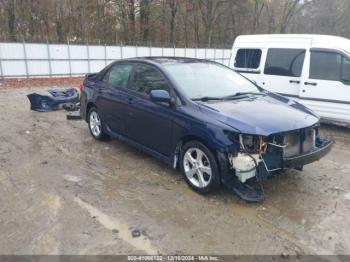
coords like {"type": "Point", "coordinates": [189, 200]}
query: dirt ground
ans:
{"type": "Point", "coordinates": [62, 192]}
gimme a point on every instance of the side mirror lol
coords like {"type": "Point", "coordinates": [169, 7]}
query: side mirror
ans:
{"type": "Point", "coordinates": [160, 96]}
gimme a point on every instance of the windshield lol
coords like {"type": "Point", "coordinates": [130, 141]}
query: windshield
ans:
{"type": "Point", "coordinates": [198, 80]}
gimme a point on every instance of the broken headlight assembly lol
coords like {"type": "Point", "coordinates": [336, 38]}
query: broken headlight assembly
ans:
{"type": "Point", "coordinates": [252, 144]}
{"type": "Point", "coordinates": [247, 159]}
{"type": "Point", "coordinates": [249, 144]}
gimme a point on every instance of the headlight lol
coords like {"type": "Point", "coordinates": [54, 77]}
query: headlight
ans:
{"type": "Point", "coordinates": [251, 144]}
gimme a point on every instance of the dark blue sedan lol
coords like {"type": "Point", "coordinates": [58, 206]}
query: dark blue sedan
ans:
{"type": "Point", "coordinates": [215, 125]}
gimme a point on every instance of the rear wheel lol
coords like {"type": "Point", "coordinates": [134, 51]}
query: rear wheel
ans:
{"type": "Point", "coordinates": [199, 167]}
{"type": "Point", "coordinates": [96, 126]}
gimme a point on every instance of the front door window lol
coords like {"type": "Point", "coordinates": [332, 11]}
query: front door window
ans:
{"type": "Point", "coordinates": [329, 66]}
{"type": "Point", "coordinates": [147, 78]}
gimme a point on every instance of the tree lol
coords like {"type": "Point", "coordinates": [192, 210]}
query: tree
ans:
{"type": "Point", "coordinates": [181, 22]}
{"type": "Point", "coordinates": [145, 9]}
{"type": "Point", "coordinates": [210, 13]}
{"type": "Point", "coordinates": [258, 8]}
{"type": "Point", "coordinates": [173, 5]}
{"type": "Point", "coordinates": [12, 19]}
{"type": "Point", "coordinates": [290, 10]}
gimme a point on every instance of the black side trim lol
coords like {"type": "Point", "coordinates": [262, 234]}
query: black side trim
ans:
{"type": "Point", "coordinates": [248, 72]}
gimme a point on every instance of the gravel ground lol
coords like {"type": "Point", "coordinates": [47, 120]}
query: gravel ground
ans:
{"type": "Point", "coordinates": [62, 192]}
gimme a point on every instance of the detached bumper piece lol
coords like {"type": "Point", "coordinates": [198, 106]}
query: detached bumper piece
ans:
{"type": "Point", "coordinates": [67, 99]}
{"type": "Point", "coordinates": [251, 192]}
{"type": "Point", "coordinates": [322, 148]}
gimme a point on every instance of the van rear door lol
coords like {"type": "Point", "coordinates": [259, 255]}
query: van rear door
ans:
{"type": "Point", "coordinates": [326, 86]}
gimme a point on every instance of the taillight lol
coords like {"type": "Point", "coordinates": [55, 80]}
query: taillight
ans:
{"type": "Point", "coordinates": [81, 87]}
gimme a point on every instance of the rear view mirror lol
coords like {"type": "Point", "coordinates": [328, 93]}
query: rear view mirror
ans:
{"type": "Point", "coordinates": [160, 96]}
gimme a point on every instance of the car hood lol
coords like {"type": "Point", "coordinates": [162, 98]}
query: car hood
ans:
{"type": "Point", "coordinates": [260, 114]}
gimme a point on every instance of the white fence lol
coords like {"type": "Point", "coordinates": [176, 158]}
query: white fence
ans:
{"type": "Point", "coordinates": [38, 60]}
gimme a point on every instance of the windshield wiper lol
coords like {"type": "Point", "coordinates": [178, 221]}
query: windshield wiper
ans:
{"type": "Point", "coordinates": [207, 98]}
{"type": "Point", "coordinates": [242, 94]}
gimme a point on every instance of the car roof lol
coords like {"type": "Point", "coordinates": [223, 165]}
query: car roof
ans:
{"type": "Point", "coordinates": [161, 60]}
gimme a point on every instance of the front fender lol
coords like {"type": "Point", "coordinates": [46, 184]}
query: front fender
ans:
{"type": "Point", "coordinates": [210, 135]}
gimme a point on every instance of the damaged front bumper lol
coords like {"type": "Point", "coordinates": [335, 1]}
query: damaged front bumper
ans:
{"type": "Point", "coordinates": [307, 158]}
{"type": "Point", "coordinates": [270, 162]}
{"type": "Point", "coordinates": [264, 157]}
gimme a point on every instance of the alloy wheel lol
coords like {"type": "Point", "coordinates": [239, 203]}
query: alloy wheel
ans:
{"type": "Point", "coordinates": [197, 167]}
{"type": "Point", "coordinates": [95, 124]}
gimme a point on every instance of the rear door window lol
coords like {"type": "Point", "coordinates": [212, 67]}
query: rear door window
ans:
{"type": "Point", "coordinates": [329, 66]}
{"type": "Point", "coordinates": [147, 78]}
{"type": "Point", "coordinates": [284, 62]}
{"type": "Point", "coordinates": [118, 75]}
{"type": "Point", "coordinates": [248, 58]}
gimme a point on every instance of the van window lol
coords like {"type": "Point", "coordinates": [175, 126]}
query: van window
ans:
{"type": "Point", "coordinates": [284, 62]}
{"type": "Point", "coordinates": [329, 66]}
{"type": "Point", "coordinates": [248, 58]}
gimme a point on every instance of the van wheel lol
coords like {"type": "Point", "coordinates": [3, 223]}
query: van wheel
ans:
{"type": "Point", "coordinates": [96, 125]}
{"type": "Point", "coordinates": [199, 167]}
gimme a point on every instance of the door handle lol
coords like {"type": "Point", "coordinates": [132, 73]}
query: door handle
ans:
{"type": "Point", "coordinates": [130, 100]}
{"type": "Point", "coordinates": [310, 83]}
{"type": "Point", "coordinates": [294, 81]}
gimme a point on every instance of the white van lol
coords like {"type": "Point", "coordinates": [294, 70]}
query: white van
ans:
{"type": "Point", "coordinates": [312, 69]}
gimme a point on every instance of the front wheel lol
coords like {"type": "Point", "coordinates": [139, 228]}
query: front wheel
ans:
{"type": "Point", "coordinates": [96, 126]}
{"type": "Point", "coordinates": [199, 167]}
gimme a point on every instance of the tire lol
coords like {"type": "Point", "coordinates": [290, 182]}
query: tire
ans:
{"type": "Point", "coordinates": [199, 167]}
{"type": "Point", "coordinates": [96, 125]}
